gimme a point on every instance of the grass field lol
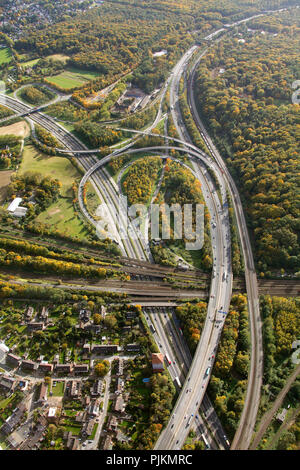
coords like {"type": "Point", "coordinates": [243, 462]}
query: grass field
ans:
{"type": "Point", "coordinates": [58, 390]}
{"type": "Point", "coordinates": [56, 167]}
{"type": "Point", "coordinates": [5, 55]}
{"type": "Point", "coordinates": [30, 63]}
{"type": "Point", "coordinates": [62, 217]}
{"type": "Point", "coordinates": [61, 57]}
{"type": "Point", "coordinates": [72, 77]}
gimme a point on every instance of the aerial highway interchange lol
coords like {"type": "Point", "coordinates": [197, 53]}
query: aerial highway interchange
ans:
{"type": "Point", "coordinates": [190, 374]}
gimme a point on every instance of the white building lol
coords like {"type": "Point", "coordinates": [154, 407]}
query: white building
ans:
{"type": "Point", "coordinates": [14, 204]}
{"type": "Point", "coordinates": [16, 209]}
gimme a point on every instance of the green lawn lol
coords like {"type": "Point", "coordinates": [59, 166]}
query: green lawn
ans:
{"type": "Point", "coordinates": [58, 390]}
{"type": "Point", "coordinates": [75, 430]}
{"type": "Point", "coordinates": [61, 216]}
{"type": "Point", "coordinates": [5, 55]}
{"type": "Point", "coordinates": [56, 167]}
{"type": "Point", "coordinates": [30, 63]}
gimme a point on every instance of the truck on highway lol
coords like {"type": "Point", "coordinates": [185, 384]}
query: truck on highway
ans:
{"type": "Point", "coordinates": [189, 420]}
{"type": "Point", "coordinates": [207, 446]}
{"type": "Point", "coordinates": [177, 382]}
{"type": "Point", "coordinates": [225, 276]}
{"type": "Point", "coordinates": [207, 372]}
{"type": "Point", "coordinates": [168, 360]}
{"type": "Point", "coordinates": [153, 330]}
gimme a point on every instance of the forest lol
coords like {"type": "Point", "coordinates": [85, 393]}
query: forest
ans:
{"type": "Point", "coordinates": [10, 150]}
{"type": "Point", "coordinates": [244, 94]}
{"type": "Point", "coordinates": [36, 95]}
{"type": "Point", "coordinates": [121, 36]}
{"type": "Point", "coordinates": [139, 181]}
{"type": "Point", "coordinates": [230, 372]}
{"type": "Point", "coordinates": [181, 187]}
{"type": "Point", "coordinates": [281, 327]}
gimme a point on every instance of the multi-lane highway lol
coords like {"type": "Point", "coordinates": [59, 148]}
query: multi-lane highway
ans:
{"type": "Point", "coordinates": [172, 344]}
{"type": "Point", "coordinates": [194, 388]}
{"type": "Point", "coordinates": [248, 418]}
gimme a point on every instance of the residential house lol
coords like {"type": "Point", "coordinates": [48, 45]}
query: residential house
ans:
{"type": "Point", "coordinates": [7, 384]}
{"type": "Point", "coordinates": [14, 420]}
{"type": "Point", "coordinates": [94, 408]}
{"type": "Point", "coordinates": [103, 311]}
{"type": "Point", "coordinates": [119, 386]}
{"type": "Point", "coordinates": [29, 314]}
{"type": "Point", "coordinates": [101, 349]}
{"type": "Point", "coordinates": [112, 423]}
{"type": "Point", "coordinates": [13, 360]}
{"type": "Point", "coordinates": [86, 349]}
{"type": "Point", "coordinates": [87, 428]}
{"type": "Point", "coordinates": [52, 415]}
{"type": "Point", "coordinates": [97, 388]}
{"type": "Point", "coordinates": [44, 315]}
{"type": "Point", "coordinates": [36, 326]}
{"type": "Point", "coordinates": [64, 368]}
{"type": "Point", "coordinates": [107, 444]}
{"type": "Point", "coordinates": [157, 362]}
{"type": "Point", "coordinates": [45, 367]}
{"type": "Point", "coordinates": [133, 347]}
{"type": "Point", "coordinates": [119, 405]}
{"type": "Point", "coordinates": [43, 395]}
{"type": "Point", "coordinates": [120, 366]}
{"type": "Point", "coordinates": [84, 315]}
{"type": "Point", "coordinates": [81, 368]}
{"type": "Point", "coordinates": [29, 365]}
{"type": "Point", "coordinates": [72, 442]}
{"type": "Point", "coordinates": [74, 389]}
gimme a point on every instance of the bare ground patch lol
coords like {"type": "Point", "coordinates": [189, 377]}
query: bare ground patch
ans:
{"type": "Point", "coordinates": [20, 129]}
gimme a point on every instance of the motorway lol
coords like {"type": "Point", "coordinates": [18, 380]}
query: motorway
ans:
{"type": "Point", "coordinates": [193, 390]}
{"type": "Point", "coordinates": [247, 422]}
{"type": "Point", "coordinates": [170, 340]}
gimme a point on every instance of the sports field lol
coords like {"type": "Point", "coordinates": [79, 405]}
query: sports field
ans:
{"type": "Point", "coordinates": [72, 78]}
